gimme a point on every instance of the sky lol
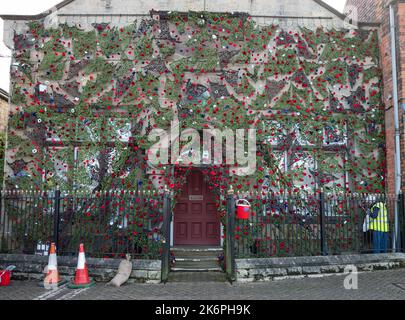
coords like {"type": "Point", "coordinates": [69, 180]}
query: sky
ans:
{"type": "Point", "coordinates": [38, 6]}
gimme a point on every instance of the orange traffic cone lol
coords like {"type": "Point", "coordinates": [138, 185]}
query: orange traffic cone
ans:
{"type": "Point", "coordinates": [81, 279]}
{"type": "Point", "coordinates": [52, 278]}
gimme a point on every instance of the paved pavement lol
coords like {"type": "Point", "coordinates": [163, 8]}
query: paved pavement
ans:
{"type": "Point", "coordinates": [378, 285]}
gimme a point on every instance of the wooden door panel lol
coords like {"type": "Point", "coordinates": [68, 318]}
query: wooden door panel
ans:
{"type": "Point", "coordinates": [211, 209]}
{"type": "Point", "coordinates": [196, 209]}
{"type": "Point", "coordinates": [212, 230]}
{"type": "Point", "coordinates": [196, 183]}
{"type": "Point", "coordinates": [181, 208]}
{"type": "Point", "coordinates": [181, 230]}
{"type": "Point", "coordinates": [196, 230]}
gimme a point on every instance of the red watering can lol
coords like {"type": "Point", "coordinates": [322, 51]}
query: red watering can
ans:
{"type": "Point", "coordinates": [242, 209]}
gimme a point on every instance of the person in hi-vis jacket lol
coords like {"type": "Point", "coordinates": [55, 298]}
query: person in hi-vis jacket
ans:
{"type": "Point", "coordinates": [379, 226]}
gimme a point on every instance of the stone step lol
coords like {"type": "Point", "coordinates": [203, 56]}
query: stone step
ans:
{"type": "Point", "coordinates": [197, 277]}
{"type": "Point", "coordinates": [196, 258]}
{"type": "Point", "coordinates": [196, 253]}
{"type": "Point", "coordinates": [192, 256]}
{"type": "Point", "coordinates": [196, 249]}
{"type": "Point", "coordinates": [196, 264]}
{"type": "Point", "coordinates": [195, 269]}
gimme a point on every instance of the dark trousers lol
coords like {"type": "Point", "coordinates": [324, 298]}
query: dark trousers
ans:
{"type": "Point", "coordinates": [380, 241]}
{"type": "Point", "coordinates": [367, 241]}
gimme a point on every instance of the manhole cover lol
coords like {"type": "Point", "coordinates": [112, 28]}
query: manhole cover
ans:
{"type": "Point", "coordinates": [400, 285]}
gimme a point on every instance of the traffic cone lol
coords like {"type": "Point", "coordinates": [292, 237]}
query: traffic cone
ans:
{"type": "Point", "coordinates": [52, 278]}
{"type": "Point", "coordinates": [81, 279]}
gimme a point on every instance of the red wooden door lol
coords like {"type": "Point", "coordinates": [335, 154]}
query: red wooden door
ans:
{"type": "Point", "coordinates": [196, 219]}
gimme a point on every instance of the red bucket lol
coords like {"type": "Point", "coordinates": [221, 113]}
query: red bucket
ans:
{"type": "Point", "coordinates": [5, 277]}
{"type": "Point", "coordinates": [242, 210]}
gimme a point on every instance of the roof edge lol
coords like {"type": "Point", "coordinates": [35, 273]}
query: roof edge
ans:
{"type": "Point", "coordinates": [331, 9]}
{"type": "Point", "coordinates": [66, 2]}
{"type": "Point", "coordinates": [4, 94]}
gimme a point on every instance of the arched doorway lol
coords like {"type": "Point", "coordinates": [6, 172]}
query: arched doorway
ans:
{"type": "Point", "coordinates": [196, 220]}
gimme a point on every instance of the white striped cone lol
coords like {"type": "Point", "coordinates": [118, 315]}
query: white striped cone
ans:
{"type": "Point", "coordinates": [52, 276]}
{"type": "Point", "coordinates": [81, 262]}
{"type": "Point", "coordinates": [52, 262]}
{"type": "Point", "coordinates": [82, 274]}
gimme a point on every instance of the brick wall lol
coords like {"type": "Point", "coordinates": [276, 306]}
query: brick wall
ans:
{"type": "Point", "coordinates": [382, 15]}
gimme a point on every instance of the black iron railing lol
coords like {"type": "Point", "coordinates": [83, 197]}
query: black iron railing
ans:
{"type": "Point", "coordinates": [110, 224]}
{"type": "Point", "coordinates": [319, 224]}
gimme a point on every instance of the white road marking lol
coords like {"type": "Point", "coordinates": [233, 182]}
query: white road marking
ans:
{"type": "Point", "coordinates": [51, 293]}
{"type": "Point", "coordinates": [72, 294]}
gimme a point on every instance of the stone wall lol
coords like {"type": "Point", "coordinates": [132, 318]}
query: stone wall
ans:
{"type": "Point", "coordinates": [285, 13]}
{"type": "Point", "coordinates": [267, 269]}
{"type": "Point", "coordinates": [3, 114]}
{"type": "Point", "coordinates": [32, 266]}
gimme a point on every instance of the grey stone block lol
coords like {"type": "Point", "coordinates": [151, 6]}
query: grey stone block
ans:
{"type": "Point", "coordinates": [365, 267]}
{"type": "Point", "coordinates": [244, 280]}
{"type": "Point", "coordinates": [289, 277]}
{"type": "Point", "coordinates": [311, 270]}
{"type": "Point", "coordinates": [242, 273]}
{"type": "Point", "coordinates": [276, 271]}
{"type": "Point", "coordinates": [331, 269]}
{"type": "Point", "coordinates": [146, 264]}
{"type": "Point", "coordinates": [294, 271]}
{"type": "Point", "coordinates": [152, 281]}
{"type": "Point", "coordinates": [139, 274]}
{"type": "Point", "coordinates": [153, 275]}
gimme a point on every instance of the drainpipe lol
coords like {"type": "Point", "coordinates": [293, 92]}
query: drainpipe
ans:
{"type": "Point", "coordinates": [396, 120]}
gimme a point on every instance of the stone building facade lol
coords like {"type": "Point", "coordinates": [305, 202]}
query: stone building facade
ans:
{"type": "Point", "coordinates": [94, 81]}
{"type": "Point", "coordinates": [4, 104]}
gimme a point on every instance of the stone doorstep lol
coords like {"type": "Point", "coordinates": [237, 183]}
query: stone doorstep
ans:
{"type": "Point", "coordinates": [195, 269]}
{"type": "Point", "coordinates": [32, 266]}
{"type": "Point", "coordinates": [196, 253]}
{"type": "Point", "coordinates": [196, 249]}
{"type": "Point", "coordinates": [197, 259]}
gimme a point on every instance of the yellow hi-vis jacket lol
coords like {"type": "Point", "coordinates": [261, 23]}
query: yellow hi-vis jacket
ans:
{"type": "Point", "coordinates": [381, 222]}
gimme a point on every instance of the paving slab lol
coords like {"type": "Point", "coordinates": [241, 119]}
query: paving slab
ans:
{"type": "Point", "coordinates": [376, 285]}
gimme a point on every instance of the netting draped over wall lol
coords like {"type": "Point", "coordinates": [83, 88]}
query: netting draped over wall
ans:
{"type": "Point", "coordinates": [84, 102]}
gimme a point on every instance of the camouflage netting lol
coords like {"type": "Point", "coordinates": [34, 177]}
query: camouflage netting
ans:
{"type": "Point", "coordinates": [85, 100]}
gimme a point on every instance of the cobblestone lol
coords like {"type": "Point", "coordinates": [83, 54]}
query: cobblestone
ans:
{"type": "Point", "coordinates": [377, 285]}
